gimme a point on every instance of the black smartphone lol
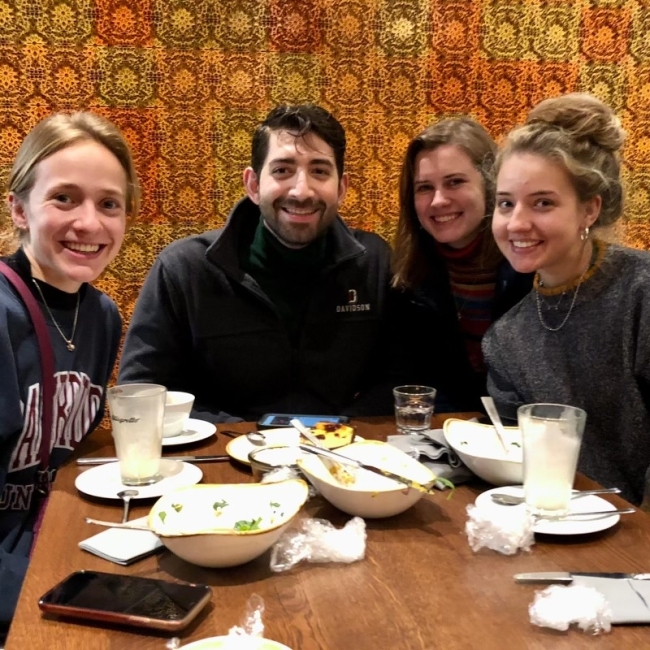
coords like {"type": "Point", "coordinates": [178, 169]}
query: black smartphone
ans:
{"type": "Point", "coordinates": [274, 420]}
{"type": "Point", "coordinates": [128, 600]}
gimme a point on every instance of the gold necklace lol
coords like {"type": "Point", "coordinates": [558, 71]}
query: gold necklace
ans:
{"type": "Point", "coordinates": [69, 343]}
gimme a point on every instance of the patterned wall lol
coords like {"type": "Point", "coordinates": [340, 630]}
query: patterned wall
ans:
{"type": "Point", "coordinates": [187, 80]}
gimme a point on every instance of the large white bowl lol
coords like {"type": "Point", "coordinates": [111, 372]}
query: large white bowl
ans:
{"type": "Point", "coordinates": [225, 525]}
{"type": "Point", "coordinates": [371, 495]}
{"type": "Point", "coordinates": [478, 446]}
{"type": "Point", "coordinates": [228, 642]}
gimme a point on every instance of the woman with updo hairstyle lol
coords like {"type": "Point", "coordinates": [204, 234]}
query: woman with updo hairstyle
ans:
{"type": "Point", "coordinates": [71, 189]}
{"type": "Point", "coordinates": [452, 280]}
{"type": "Point", "coordinates": [582, 337]}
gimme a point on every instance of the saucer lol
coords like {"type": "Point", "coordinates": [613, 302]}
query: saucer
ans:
{"type": "Point", "coordinates": [194, 431]}
{"type": "Point", "coordinates": [577, 526]}
{"type": "Point", "coordinates": [105, 481]}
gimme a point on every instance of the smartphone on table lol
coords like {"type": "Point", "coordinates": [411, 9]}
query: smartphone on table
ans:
{"type": "Point", "coordinates": [126, 600]}
{"type": "Point", "coordinates": [275, 420]}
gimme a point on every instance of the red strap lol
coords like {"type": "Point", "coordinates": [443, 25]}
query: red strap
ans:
{"type": "Point", "coordinates": [47, 360]}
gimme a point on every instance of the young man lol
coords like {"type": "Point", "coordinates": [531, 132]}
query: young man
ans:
{"type": "Point", "coordinates": [284, 310]}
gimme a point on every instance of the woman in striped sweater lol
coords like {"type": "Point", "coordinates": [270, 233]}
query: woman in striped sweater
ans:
{"type": "Point", "coordinates": [452, 279]}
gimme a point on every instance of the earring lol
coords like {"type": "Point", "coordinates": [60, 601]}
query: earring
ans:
{"type": "Point", "coordinates": [584, 234]}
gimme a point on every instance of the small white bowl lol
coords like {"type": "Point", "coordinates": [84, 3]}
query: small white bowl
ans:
{"type": "Point", "coordinates": [178, 407]}
{"type": "Point", "coordinates": [228, 642]}
{"type": "Point", "coordinates": [478, 446]}
{"type": "Point", "coordinates": [371, 495]}
{"type": "Point", "coordinates": [225, 525]}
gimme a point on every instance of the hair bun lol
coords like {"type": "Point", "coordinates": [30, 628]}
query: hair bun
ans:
{"type": "Point", "coordinates": [584, 117]}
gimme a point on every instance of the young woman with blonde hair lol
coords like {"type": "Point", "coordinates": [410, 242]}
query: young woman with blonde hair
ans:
{"type": "Point", "coordinates": [452, 278]}
{"type": "Point", "coordinates": [582, 337]}
{"type": "Point", "coordinates": [71, 189]}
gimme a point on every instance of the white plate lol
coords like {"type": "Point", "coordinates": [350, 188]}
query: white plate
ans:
{"type": "Point", "coordinates": [239, 448]}
{"type": "Point", "coordinates": [104, 480]}
{"type": "Point", "coordinates": [218, 642]}
{"type": "Point", "coordinates": [577, 526]}
{"type": "Point", "coordinates": [194, 431]}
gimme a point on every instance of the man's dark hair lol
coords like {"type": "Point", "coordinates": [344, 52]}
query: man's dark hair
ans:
{"type": "Point", "coordinates": [299, 120]}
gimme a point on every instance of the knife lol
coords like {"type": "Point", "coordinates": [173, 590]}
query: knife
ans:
{"type": "Point", "coordinates": [326, 453]}
{"type": "Point", "coordinates": [566, 577]}
{"type": "Point", "coordinates": [100, 460]}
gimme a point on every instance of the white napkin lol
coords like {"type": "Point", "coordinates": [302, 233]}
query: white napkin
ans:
{"type": "Point", "coordinates": [122, 546]}
{"type": "Point", "coordinates": [628, 598]}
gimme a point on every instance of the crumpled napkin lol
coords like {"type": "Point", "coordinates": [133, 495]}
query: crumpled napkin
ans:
{"type": "Point", "coordinates": [558, 606]}
{"type": "Point", "coordinates": [431, 449]}
{"type": "Point", "coordinates": [505, 530]}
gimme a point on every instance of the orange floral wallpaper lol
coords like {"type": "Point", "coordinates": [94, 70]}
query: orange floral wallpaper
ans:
{"type": "Point", "coordinates": [187, 80]}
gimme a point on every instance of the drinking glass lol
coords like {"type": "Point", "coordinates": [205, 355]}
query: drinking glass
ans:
{"type": "Point", "coordinates": [137, 412]}
{"type": "Point", "coordinates": [413, 408]}
{"type": "Point", "coordinates": [552, 434]}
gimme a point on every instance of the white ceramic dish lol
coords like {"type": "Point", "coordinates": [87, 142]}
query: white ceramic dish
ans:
{"type": "Point", "coordinates": [577, 526]}
{"type": "Point", "coordinates": [194, 431]}
{"type": "Point", "coordinates": [239, 448]}
{"type": "Point", "coordinates": [104, 480]}
{"type": "Point", "coordinates": [371, 495]}
{"type": "Point", "coordinates": [226, 525]}
{"type": "Point", "coordinates": [478, 446]}
{"type": "Point", "coordinates": [178, 406]}
{"type": "Point", "coordinates": [227, 643]}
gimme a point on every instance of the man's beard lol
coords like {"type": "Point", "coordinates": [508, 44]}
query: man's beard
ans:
{"type": "Point", "coordinates": [297, 235]}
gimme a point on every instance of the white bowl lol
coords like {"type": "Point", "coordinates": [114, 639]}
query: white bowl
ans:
{"type": "Point", "coordinates": [225, 525]}
{"type": "Point", "coordinates": [478, 446]}
{"type": "Point", "coordinates": [178, 407]}
{"type": "Point", "coordinates": [371, 495]}
{"type": "Point", "coordinates": [229, 642]}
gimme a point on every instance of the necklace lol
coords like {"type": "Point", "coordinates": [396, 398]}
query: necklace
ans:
{"type": "Point", "coordinates": [69, 343]}
{"type": "Point", "coordinates": [573, 302]}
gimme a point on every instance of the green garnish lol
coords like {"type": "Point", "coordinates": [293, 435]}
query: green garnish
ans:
{"type": "Point", "coordinates": [219, 504]}
{"type": "Point", "coordinates": [162, 516]}
{"type": "Point", "coordinates": [253, 524]}
{"type": "Point", "coordinates": [274, 504]}
{"type": "Point", "coordinates": [515, 444]}
{"type": "Point", "coordinates": [177, 506]}
{"type": "Point", "coordinates": [447, 483]}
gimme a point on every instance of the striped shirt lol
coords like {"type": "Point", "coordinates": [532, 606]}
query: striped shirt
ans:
{"type": "Point", "coordinates": [473, 288]}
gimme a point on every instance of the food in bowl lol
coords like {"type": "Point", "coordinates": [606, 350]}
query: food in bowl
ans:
{"type": "Point", "coordinates": [479, 447]}
{"type": "Point", "coordinates": [234, 643]}
{"type": "Point", "coordinates": [225, 525]}
{"type": "Point", "coordinates": [370, 495]}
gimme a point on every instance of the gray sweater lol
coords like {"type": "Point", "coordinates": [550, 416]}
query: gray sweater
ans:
{"type": "Point", "coordinates": [599, 361]}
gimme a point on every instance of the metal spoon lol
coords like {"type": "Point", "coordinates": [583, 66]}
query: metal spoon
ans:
{"type": "Point", "coordinates": [126, 496]}
{"type": "Point", "coordinates": [514, 500]}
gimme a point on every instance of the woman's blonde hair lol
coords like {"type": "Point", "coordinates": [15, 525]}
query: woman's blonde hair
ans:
{"type": "Point", "coordinates": [411, 261]}
{"type": "Point", "coordinates": [584, 136]}
{"type": "Point", "coordinates": [62, 130]}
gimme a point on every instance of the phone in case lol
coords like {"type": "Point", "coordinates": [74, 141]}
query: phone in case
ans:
{"type": "Point", "coordinates": [274, 420]}
{"type": "Point", "coordinates": [127, 600]}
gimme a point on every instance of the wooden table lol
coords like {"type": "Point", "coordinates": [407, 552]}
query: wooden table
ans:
{"type": "Point", "coordinates": [420, 586]}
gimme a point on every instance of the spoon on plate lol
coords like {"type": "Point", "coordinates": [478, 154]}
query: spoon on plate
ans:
{"type": "Point", "coordinates": [126, 496]}
{"type": "Point", "coordinates": [514, 500]}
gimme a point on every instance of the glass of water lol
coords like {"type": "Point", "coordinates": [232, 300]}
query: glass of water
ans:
{"type": "Point", "coordinates": [137, 412]}
{"type": "Point", "coordinates": [552, 434]}
{"type": "Point", "coordinates": [413, 408]}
